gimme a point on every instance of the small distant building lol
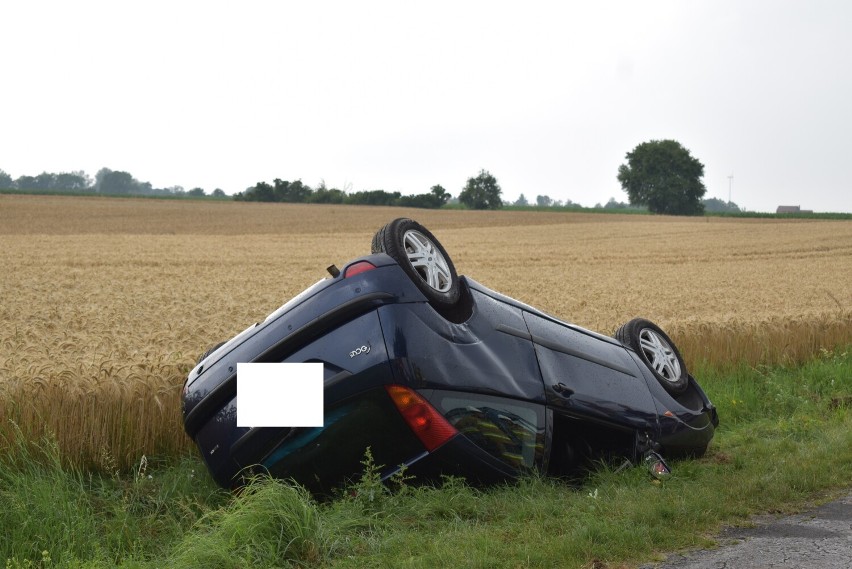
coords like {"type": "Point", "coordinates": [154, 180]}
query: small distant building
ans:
{"type": "Point", "coordinates": [792, 209]}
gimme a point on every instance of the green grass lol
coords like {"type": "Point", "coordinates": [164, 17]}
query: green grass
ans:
{"type": "Point", "coordinates": [49, 510]}
{"type": "Point", "coordinates": [784, 441]}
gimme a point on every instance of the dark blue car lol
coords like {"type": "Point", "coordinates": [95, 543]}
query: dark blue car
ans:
{"type": "Point", "coordinates": [440, 374]}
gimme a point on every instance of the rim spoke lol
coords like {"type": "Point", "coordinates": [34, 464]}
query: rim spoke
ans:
{"type": "Point", "coordinates": [417, 260]}
{"type": "Point", "coordinates": [434, 282]}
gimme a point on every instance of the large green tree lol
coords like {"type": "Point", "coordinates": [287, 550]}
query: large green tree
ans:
{"type": "Point", "coordinates": [78, 180]}
{"type": "Point", "coordinates": [439, 195]}
{"type": "Point", "coordinates": [116, 182]}
{"type": "Point", "coordinates": [664, 176]}
{"type": "Point", "coordinates": [481, 192]}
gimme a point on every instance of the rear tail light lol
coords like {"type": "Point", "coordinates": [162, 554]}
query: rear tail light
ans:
{"type": "Point", "coordinates": [357, 269]}
{"type": "Point", "coordinates": [431, 427]}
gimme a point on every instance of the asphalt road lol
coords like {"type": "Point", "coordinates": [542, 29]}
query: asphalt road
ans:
{"type": "Point", "coordinates": [821, 537]}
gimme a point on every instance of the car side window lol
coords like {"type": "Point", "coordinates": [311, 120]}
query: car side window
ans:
{"type": "Point", "coordinates": [510, 430]}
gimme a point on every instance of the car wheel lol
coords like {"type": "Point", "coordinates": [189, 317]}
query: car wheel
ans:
{"type": "Point", "coordinates": [657, 351]}
{"type": "Point", "coordinates": [423, 259]}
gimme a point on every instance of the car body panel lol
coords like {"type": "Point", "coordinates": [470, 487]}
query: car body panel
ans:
{"type": "Point", "coordinates": [473, 356]}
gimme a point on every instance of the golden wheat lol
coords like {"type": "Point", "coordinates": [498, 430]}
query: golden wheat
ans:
{"type": "Point", "coordinates": [106, 303]}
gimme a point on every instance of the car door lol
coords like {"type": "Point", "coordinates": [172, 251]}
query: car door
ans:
{"type": "Point", "coordinates": [589, 376]}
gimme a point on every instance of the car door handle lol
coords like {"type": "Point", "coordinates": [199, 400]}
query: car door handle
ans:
{"type": "Point", "coordinates": [563, 389]}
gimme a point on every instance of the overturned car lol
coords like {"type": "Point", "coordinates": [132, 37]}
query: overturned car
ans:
{"type": "Point", "coordinates": [441, 375]}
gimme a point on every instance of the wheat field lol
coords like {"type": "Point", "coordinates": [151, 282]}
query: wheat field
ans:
{"type": "Point", "coordinates": [107, 303]}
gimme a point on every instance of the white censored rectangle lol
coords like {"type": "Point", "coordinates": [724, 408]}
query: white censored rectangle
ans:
{"type": "Point", "coordinates": [279, 395]}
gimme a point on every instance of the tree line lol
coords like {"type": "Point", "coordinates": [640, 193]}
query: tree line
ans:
{"type": "Point", "coordinates": [298, 192]}
{"type": "Point", "coordinates": [480, 192]}
{"type": "Point", "coordinates": [661, 176]}
{"type": "Point", "coordinates": [106, 181]}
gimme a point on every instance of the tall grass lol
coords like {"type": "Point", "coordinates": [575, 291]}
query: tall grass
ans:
{"type": "Point", "coordinates": [774, 341]}
{"type": "Point", "coordinates": [123, 409]}
{"type": "Point", "coordinates": [785, 439]}
{"type": "Point", "coordinates": [55, 514]}
{"type": "Point", "coordinates": [272, 524]}
{"type": "Point", "coordinates": [44, 505]}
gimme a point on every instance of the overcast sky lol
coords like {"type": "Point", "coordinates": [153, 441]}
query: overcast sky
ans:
{"type": "Point", "coordinates": [547, 96]}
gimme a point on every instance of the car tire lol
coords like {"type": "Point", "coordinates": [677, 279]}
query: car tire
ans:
{"type": "Point", "coordinates": [657, 351]}
{"type": "Point", "coordinates": [423, 259]}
